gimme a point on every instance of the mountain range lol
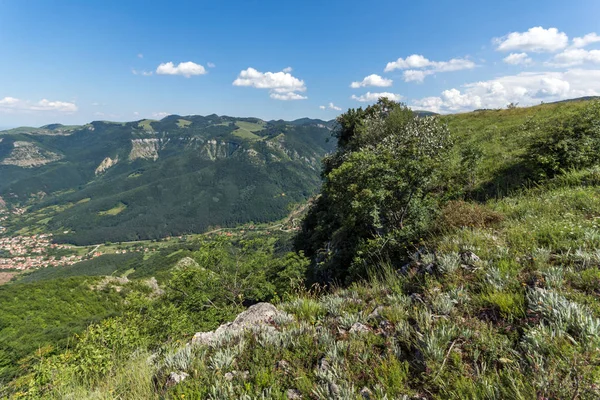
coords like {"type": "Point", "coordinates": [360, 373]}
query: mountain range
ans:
{"type": "Point", "coordinates": [107, 181]}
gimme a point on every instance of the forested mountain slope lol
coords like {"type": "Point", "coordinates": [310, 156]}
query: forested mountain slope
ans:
{"type": "Point", "coordinates": [451, 257]}
{"type": "Point", "coordinates": [109, 181]}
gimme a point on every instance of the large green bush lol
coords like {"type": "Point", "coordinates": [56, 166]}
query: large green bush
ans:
{"type": "Point", "coordinates": [379, 190]}
{"type": "Point", "coordinates": [566, 143]}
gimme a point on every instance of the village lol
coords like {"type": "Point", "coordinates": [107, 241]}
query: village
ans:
{"type": "Point", "coordinates": [34, 251]}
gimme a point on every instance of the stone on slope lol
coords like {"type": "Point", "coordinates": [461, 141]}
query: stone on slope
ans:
{"type": "Point", "coordinates": [258, 316]}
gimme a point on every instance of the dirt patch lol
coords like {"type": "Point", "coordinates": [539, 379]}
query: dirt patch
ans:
{"type": "Point", "coordinates": [6, 276]}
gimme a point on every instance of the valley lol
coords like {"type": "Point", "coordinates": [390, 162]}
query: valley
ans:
{"type": "Point", "coordinates": [493, 263]}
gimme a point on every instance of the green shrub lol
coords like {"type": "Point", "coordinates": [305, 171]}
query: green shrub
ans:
{"type": "Point", "coordinates": [566, 143]}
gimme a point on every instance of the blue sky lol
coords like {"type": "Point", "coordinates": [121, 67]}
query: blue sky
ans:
{"type": "Point", "coordinates": [78, 61]}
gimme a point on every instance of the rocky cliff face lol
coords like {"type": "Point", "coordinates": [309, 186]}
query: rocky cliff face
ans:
{"type": "Point", "coordinates": [106, 164]}
{"type": "Point", "coordinates": [29, 155]}
{"type": "Point", "coordinates": [144, 148]}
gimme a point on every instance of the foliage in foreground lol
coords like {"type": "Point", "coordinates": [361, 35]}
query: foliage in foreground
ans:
{"type": "Point", "coordinates": [498, 301]}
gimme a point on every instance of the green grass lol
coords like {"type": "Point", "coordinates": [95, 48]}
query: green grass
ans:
{"type": "Point", "coordinates": [146, 124]}
{"type": "Point", "coordinates": [182, 123]}
{"type": "Point", "coordinates": [119, 208]}
{"type": "Point", "coordinates": [521, 320]}
{"type": "Point", "coordinates": [251, 126]}
{"type": "Point", "coordinates": [246, 130]}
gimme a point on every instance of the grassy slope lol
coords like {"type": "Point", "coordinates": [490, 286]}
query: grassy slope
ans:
{"type": "Point", "coordinates": [520, 321]}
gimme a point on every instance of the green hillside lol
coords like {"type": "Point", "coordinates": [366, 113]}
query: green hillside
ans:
{"type": "Point", "coordinates": [170, 177]}
{"type": "Point", "coordinates": [447, 257]}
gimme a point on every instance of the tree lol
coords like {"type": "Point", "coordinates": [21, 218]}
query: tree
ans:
{"type": "Point", "coordinates": [378, 192]}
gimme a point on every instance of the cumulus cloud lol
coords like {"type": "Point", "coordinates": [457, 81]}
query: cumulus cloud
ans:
{"type": "Point", "coordinates": [590, 38]}
{"type": "Point", "coordinates": [288, 69]}
{"type": "Point", "coordinates": [186, 69]}
{"type": "Point", "coordinates": [518, 59]}
{"type": "Point", "coordinates": [140, 55]}
{"type": "Point", "coordinates": [12, 104]}
{"type": "Point", "coordinates": [536, 39]}
{"type": "Point", "coordinates": [526, 88]}
{"type": "Point", "coordinates": [418, 67]}
{"type": "Point", "coordinates": [160, 114]}
{"type": "Point", "coordinates": [281, 85]}
{"type": "Point", "coordinates": [210, 65]}
{"type": "Point", "coordinates": [331, 106]}
{"type": "Point", "coordinates": [416, 75]}
{"type": "Point", "coordinates": [572, 57]}
{"type": "Point", "coordinates": [371, 97]}
{"type": "Point", "coordinates": [372, 80]}
{"type": "Point", "coordinates": [287, 96]}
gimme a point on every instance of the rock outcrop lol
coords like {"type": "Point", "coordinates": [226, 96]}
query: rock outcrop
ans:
{"type": "Point", "coordinates": [29, 155]}
{"type": "Point", "coordinates": [144, 148]}
{"type": "Point", "coordinates": [258, 316]}
{"type": "Point", "coordinates": [106, 164]}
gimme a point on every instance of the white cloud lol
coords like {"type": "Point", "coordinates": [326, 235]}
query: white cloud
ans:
{"type": "Point", "coordinates": [160, 115]}
{"type": "Point", "coordinates": [141, 72]}
{"type": "Point", "coordinates": [281, 85]}
{"type": "Point", "coordinates": [370, 97]}
{"type": "Point", "coordinates": [414, 61]}
{"type": "Point", "coordinates": [536, 39]}
{"type": "Point", "coordinates": [526, 88]}
{"type": "Point", "coordinates": [186, 69]}
{"type": "Point", "coordinates": [418, 67]}
{"type": "Point", "coordinates": [140, 55]}
{"type": "Point", "coordinates": [8, 102]}
{"type": "Point", "coordinates": [518, 59]}
{"type": "Point", "coordinates": [571, 57]}
{"type": "Point", "coordinates": [287, 96]}
{"type": "Point", "coordinates": [287, 69]}
{"type": "Point", "coordinates": [331, 106]}
{"type": "Point", "coordinates": [137, 114]}
{"type": "Point", "coordinates": [415, 75]}
{"type": "Point", "coordinates": [372, 80]}
{"type": "Point", "coordinates": [12, 105]}
{"type": "Point", "coordinates": [210, 65]}
{"type": "Point", "coordinates": [587, 39]}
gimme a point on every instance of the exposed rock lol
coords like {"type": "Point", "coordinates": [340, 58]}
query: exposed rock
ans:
{"type": "Point", "coordinates": [376, 314]}
{"type": "Point", "coordinates": [366, 393]}
{"type": "Point", "coordinates": [214, 150]}
{"type": "Point", "coordinates": [175, 378]}
{"type": "Point", "coordinates": [152, 283]}
{"type": "Point", "coordinates": [357, 327]}
{"type": "Point", "coordinates": [323, 365]}
{"type": "Point", "coordinates": [293, 394]}
{"type": "Point", "coordinates": [106, 164]}
{"type": "Point", "coordinates": [29, 155]}
{"type": "Point", "coordinates": [283, 365]}
{"type": "Point", "coordinates": [244, 375]}
{"type": "Point", "coordinates": [115, 282]}
{"type": "Point", "coordinates": [186, 262]}
{"type": "Point", "coordinates": [229, 376]}
{"type": "Point", "coordinates": [334, 389]}
{"type": "Point", "coordinates": [258, 316]}
{"type": "Point", "coordinates": [469, 258]}
{"type": "Point", "coordinates": [2, 203]}
{"type": "Point", "coordinates": [144, 148]}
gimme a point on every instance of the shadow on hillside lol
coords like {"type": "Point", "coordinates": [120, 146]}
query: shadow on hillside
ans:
{"type": "Point", "coordinates": [507, 181]}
